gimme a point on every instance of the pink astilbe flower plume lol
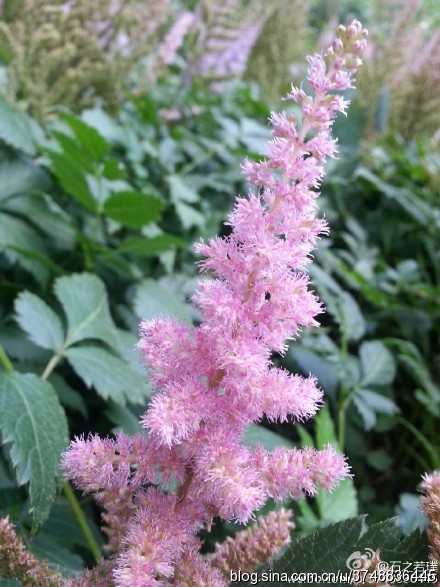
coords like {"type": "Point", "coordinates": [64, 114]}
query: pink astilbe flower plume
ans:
{"type": "Point", "coordinates": [214, 380]}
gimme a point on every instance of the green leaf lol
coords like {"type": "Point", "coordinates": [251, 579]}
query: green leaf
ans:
{"type": "Point", "coordinates": [39, 321]}
{"type": "Point", "coordinates": [367, 414]}
{"type": "Point", "coordinates": [32, 420]}
{"type": "Point", "coordinates": [124, 419]}
{"type": "Point", "coordinates": [311, 362]}
{"type": "Point", "coordinates": [181, 191]}
{"type": "Point", "coordinates": [19, 176]}
{"type": "Point", "coordinates": [47, 215]}
{"type": "Point", "coordinates": [410, 514]}
{"type": "Point", "coordinates": [15, 129]}
{"type": "Point", "coordinates": [150, 247]}
{"type": "Point", "coordinates": [378, 402]}
{"type": "Point", "coordinates": [84, 299]}
{"type": "Point", "coordinates": [324, 550]}
{"type": "Point", "coordinates": [340, 504]}
{"type": "Point", "coordinates": [189, 216]}
{"type": "Point", "coordinates": [351, 319]}
{"type": "Point", "coordinates": [377, 362]}
{"type": "Point", "coordinates": [133, 209]}
{"type": "Point", "coordinates": [256, 435]}
{"type": "Point", "coordinates": [93, 144]}
{"type": "Point", "coordinates": [72, 179]}
{"type": "Point", "coordinates": [108, 374]}
{"type": "Point", "coordinates": [17, 236]}
{"type": "Point", "coordinates": [152, 300]}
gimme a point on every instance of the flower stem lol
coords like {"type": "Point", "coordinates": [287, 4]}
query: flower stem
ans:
{"type": "Point", "coordinates": [82, 522]}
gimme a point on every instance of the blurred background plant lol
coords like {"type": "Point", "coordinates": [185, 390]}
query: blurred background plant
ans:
{"type": "Point", "coordinates": [122, 129]}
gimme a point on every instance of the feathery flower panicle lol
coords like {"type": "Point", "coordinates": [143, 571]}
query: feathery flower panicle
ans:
{"type": "Point", "coordinates": [255, 545]}
{"type": "Point", "coordinates": [430, 502]}
{"type": "Point", "coordinates": [214, 380]}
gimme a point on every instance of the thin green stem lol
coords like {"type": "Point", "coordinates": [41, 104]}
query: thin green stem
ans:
{"type": "Point", "coordinates": [82, 522]}
{"type": "Point", "coordinates": [52, 364]}
{"type": "Point", "coordinates": [5, 361]}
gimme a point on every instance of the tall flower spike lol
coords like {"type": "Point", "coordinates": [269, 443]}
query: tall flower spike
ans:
{"type": "Point", "coordinates": [216, 379]}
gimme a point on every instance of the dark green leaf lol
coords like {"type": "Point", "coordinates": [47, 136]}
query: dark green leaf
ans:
{"type": "Point", "coordinates": [150, 247]}
{"type": "Point", "coordinates": [256, 435]}
{"type": "Point", "coordinates": [94, 145]}
{"type": "Point", "coordinates": [39, 321]}
{"type": "Point", "coordinates": [34, 423]}
{"type": "Point", "coordinates": [72, 179]}
{"type": "Point", "coordinates": [133, 209]}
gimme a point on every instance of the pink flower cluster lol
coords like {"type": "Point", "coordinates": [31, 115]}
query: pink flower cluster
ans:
{"type": "Point", "coordinates": [214, 380]}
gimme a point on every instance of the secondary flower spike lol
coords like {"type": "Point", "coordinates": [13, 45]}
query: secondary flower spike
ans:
{"type": "Point", "coordinates": [214, 380]}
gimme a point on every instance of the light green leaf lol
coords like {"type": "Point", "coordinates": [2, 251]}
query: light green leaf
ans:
{"type": "Point", "coordinates": [17, 237]}
{"type": "Point", "coordinates": [181, 191]}
{"type": "Point", "coordinates": [267, 438]}
{"type": "Point", "coordinates": [152, 300]}
{"type": "Point", "coordinates": [351, 320]}
{"type": "Point", "coordinates": [377, 362]}
{"type": "Point", "coordinates": [150, 246]}
{"type": "Point", "coordinates": [189, 216]}
{"type": "Point", "coordinates": [378, 402]}
{"type": "Point", "coordinates": [42, 211]}
{"type": "Point", "coordinates": [133, 209]}
{"type": "Point", "coordinates": [15, 129]}
{"type": "Point", "coordinates": [95, 147]}
{"type": "Point", "coordinates": [32, 420]}
{"type": "Point", "coordinates": [340, 504]}
{"type": "Point", "coordinates": [367, 414]}
{"type": "Point", "coordinates": [84, 299]}
{"type": "Point", "coordinates": [72, 179]}
{"type": "Point", "coordinates": [19, 176]}
{"type": "Point", "coordinates": [325, 430]}
{"type": "Point", "coordinates": [108, 374]}
{"type": "Point", "coordinates": [39, 321]}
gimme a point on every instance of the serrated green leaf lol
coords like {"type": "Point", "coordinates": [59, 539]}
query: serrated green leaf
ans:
{"type": "Point", "coordinates": [256, 435]}
{"type": "Point", "coordinates": [15, 129]}
{"type": "Point", "coordinates": [322, 369]}
{"type": "Point", "coordinates": [72, 179]}
{"type": "Point", "coordinates": [181, 191]}
{"type": "Point", "coordinates": [108, 374]}
{"type": "Point", "coordinates": [16, 236]}
{"type": "Point", "coordinates": [84, 300]}
{"type": "Point", "coordinates": [148, 247]}
{"type": "Point", "coordinates": [34, 423]}
{"type": "Point", "coordinates": [377, 402]}
{"type": "Point", "coordinates": [39, 321]}
{"type": "Point", "coordinates": [19, 176]}
{"type": "Point", "coordinates": [367, 414]}
{"type": "Point", "coordinates": [133, 209]}
{"type": "Point", "coordinates": [378, 367]}
{"type": "Point", "coordinates": [324, 550]}
{"type": "Point", "coordinates": [42, 211]}
{"type": "Point", "coordinates": [189, 216]}
{"type": "Point", "coordinates": [152, 300]}
{"type": "Point", "coordinates": [94, 145]}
